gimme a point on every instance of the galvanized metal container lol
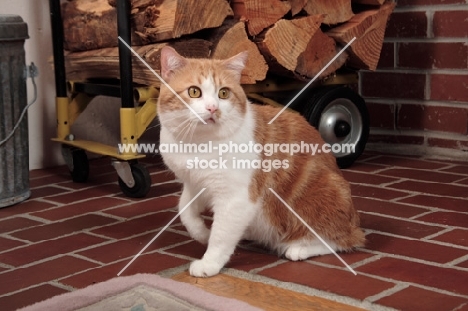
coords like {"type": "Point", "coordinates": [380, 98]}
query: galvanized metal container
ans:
{"type": "Point", "coordinates": [14, 154]}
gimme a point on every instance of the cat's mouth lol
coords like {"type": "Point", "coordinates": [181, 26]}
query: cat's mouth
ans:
{"type": "Point", "coordinates": [210, 120]}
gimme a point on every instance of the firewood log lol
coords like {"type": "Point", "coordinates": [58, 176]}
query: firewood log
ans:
{"type": "Point", "coordinates": [92, 24]}
{"type": "Point", "coordinates": [260, 14]}
{"type": "Point", "coordinates": [336, 11]}
{"type": "Point", "coordinates": [369, 29]}
{"type": "Point", "coordinates": [104, 63]}
{"type": "Point", "coordinates": [230, 39]}
{"type": "Point", "coordinates": [298, 48]}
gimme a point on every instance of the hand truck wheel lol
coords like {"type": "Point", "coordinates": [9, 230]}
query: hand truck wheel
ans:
{"type": "Point", "coordinates": [77, 162]}
{"type": "Point", "coordinates": [341, 117]}
{"type": "Point", "coordinates": [142, 182]}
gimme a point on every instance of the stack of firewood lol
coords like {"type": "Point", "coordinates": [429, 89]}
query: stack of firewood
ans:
{"type": "Point", "coordinates": [293, 38]}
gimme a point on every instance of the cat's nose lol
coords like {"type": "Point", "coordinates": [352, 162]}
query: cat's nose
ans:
{"type": "Point", "coordinates": [211, 108]}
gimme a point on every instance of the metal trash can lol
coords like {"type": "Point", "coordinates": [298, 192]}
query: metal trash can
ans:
{"type": "Point", "coordinates": [14, 152]}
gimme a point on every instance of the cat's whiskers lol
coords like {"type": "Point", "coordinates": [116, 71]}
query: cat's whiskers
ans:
{"type": "Point", "coordinates": [183, 132]}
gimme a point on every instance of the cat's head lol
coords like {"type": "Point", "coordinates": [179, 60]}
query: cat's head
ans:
{"type": "Point", "coordinates": [211, 91]}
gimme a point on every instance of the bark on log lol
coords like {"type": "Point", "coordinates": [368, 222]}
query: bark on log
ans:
{"type": "Point", "coordinates": [231, 39]}
{"type": "Point", "coordinates": [369, 29]}
{"type": "Point", "coordinates": [337, 11]}
{"type": "Point", "coordinates": [260, 14]}
{"type": "Point", "coordinates": [92, 24]}
{"type": "Point", "coordinates": [169, 19]}
{"type": "Point", "coordinates": [104, 63]}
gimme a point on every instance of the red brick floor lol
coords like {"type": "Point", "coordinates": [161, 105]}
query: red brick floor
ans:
{"type": "Point", "coordinates": [414, 211]}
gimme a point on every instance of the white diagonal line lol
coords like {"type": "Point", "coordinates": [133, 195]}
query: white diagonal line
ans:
{"type": "Point", "coordinates": [162, 80]}
{"type": "Point", "coordinates": [160, 232]}
{"type": "Point", "coordinates": [313, 231]}
{"type": "Point", "coordinates": [311, 81]}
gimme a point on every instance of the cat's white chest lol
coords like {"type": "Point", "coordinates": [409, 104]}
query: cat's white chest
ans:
{"type": "Point", "coordinates": [212, 164]}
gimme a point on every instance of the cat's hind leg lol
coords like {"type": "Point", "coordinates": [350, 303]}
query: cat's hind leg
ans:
{"type": "Point", "coordinates": [191, 218]}
{"type": "Point", "coordinates": [303, 249]}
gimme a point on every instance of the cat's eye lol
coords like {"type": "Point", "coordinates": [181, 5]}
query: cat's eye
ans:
{"type": "Point", "coordinates": [194, 92]}
{"type": "Point", "coordinates": [223, 93]}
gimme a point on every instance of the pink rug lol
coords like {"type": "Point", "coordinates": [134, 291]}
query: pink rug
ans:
{"type": "Point", "coordinates": [140, 292]}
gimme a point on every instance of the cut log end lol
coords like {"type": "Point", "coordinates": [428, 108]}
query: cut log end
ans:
{"type": "Point", "coordinates": [369, 29]}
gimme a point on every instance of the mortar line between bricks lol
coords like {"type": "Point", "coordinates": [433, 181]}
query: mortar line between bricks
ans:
{"type": "Point", "coordinates": [268, 266]}
{"type": "Point", "coordinates": [429, 288]}
{"type": "Point", "coordinates": [437, 196]}
{"type": "Point", "coordinates": [62, 286]}
{"type": "Point", "coordinates": [166, 248]}
{"type": "Point", "coordinates": [180, 256]}
{"type": "Point", "coordinates": [126, 238]}
{"type": "Point", "coordinates": [456, 182]}
{"type": "Point", "coordinates": [10, 237]}
{"type": "Point", "coordinates": [54, 185]}
{"type": "Point", "coordinates": [78, 256]}
{"type": "Point", "coordinates": [388, 292]}
{"type": "Point", "coordinates": [172, 209]}
{"type": "Point", "coordinates": [46, 200]}
{"type": "Point", "coordinates": [458, 260]}
{"type": "Point", "coordinates": [86, 230]}
{"type": "Point", "coordinates": [415, 260]}
{"type": "Point", "coordinates": [411, 169]}
{"type": "Point", "coordinates": [298, 288]}
{"type": "Point", "coordinates": [399, 180]}
{"type": "Point", "coordinates": [23, 289]}
{"type": "Point", "coordinates": [398, 200]}
{"type": "Point", "coordinates": [407, 192]}
{"type": "Point", "coordinates": [43, 221]}
{"type": "Point", "coordinates": [139, 202]}
{"type": "Point", "coordinates": [109, 239]}
{"type": "Point", "coordinates": [420, 215]}
{"type": "Point", "coordinates": [4, 265]}
{"type": "Point", "coordinates": [417, 221]}
{"type": "Point", "coordinates": [461, 306]}
{"type": "Point", "coordinates": [104, 214]}
{"type": "Point", "coordinates": [37, 262]}
{"type": "Point", "coordinates": [124, 219]}
{"type": "Point", "coordinates": [390, 280]}
{"type": "Point", "coordinates": [72, 253]}
{"type": "Point", "coordinates": [416, 239]}
{"type": "Point", "coordinates": [122, 204]}
{"type": "Point", "coordinates": [431, 236]}
{"type": "Point", "coordinates": [113, 240]}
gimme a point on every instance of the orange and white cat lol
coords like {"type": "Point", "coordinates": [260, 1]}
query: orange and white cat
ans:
{"type": "Point", "coordinates": [243, 206]}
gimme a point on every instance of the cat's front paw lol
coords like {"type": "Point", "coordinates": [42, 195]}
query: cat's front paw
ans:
{"type": "Point", "coordinates": [204, 268]}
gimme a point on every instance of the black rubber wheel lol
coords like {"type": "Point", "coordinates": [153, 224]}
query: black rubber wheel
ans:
{"type": "Point", "coordinates": [341, 117]}
{"type": "Point", "coordinates": [80, 171]}
{"type": "Point", "coordinates": [142, 182]}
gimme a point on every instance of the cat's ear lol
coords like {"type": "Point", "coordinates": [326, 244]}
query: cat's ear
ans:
{"type": "Point", "coordinates": [170, 61]}
{"type": "Point", "coordinates": [237, 63]}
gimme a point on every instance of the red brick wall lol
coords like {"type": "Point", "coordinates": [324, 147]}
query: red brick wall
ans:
{"type": "Point", "coordinates": [418, 96]}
